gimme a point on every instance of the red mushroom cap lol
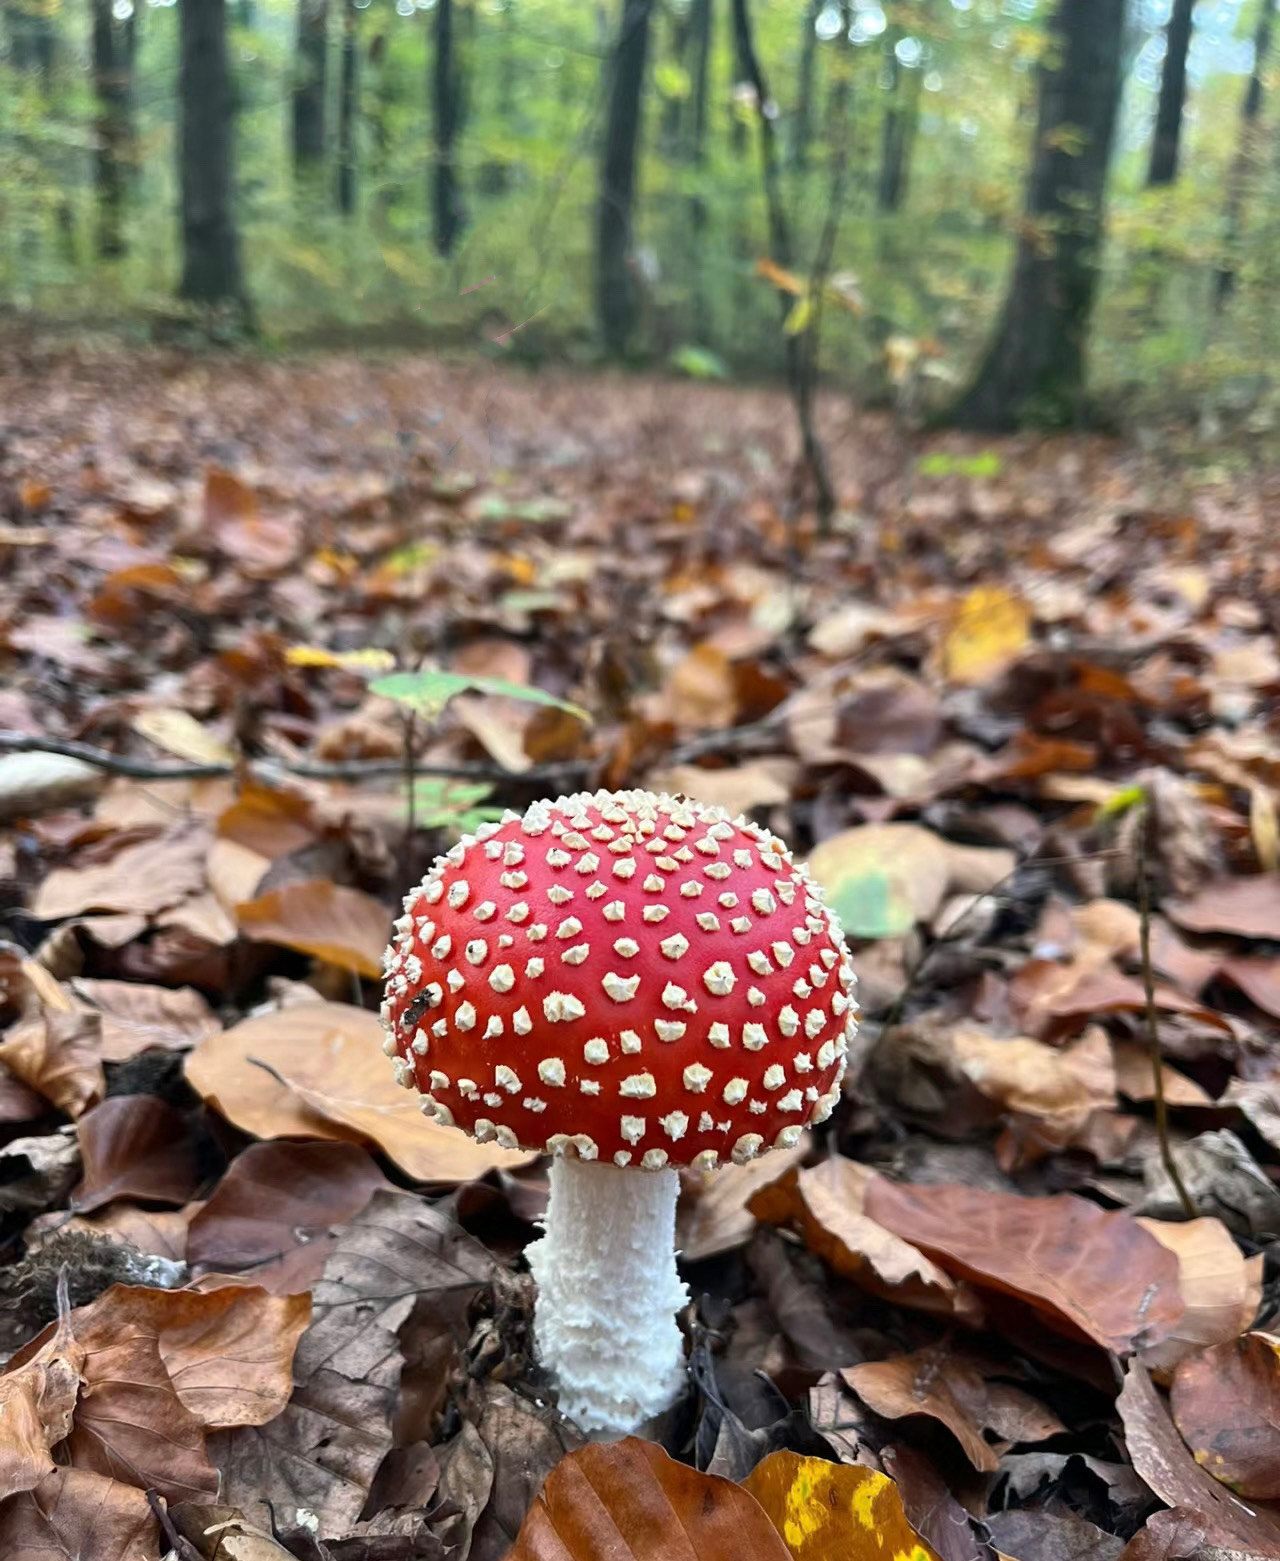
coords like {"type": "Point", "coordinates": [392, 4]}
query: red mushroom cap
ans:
{"type": "Point", "coordinates": [624, 976]}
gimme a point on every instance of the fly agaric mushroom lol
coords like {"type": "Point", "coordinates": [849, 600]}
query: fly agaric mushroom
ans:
{"type": "Point", "coordinates": [632, 983]}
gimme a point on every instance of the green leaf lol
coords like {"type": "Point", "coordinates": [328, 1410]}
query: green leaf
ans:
{"type": "Point", "coordinates": [427, 692]}
{"type": "Point", "coordinates": [672, 80]}
{"type": "Point", "coordinates": [698, 363]}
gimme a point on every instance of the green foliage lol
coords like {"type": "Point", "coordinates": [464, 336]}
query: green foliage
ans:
{"type": "Point", "coordinates": [428, 691]}
{"type": "Point", "coordinates": [440, 803]}
{"type": "Point", "coordinates": [941, 463]}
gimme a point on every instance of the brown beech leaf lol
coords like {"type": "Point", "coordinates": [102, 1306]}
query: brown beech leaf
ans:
{"type": "Point", "coordinates": [826, 1204]}
{"type": "Point", "coordinates": [1246, 907]}
{"type": "Point", "coordinates": [135, 1146]}
{"type": "Point", "coordinates": [37, 1399]}
{"type": "Point", "coordinates": [154, 1232]}
{"type": "Point", "coordinates": [76, 1513]}
{"type": "Point", "coordinates": [1092, 1273]}
{"type": "Point", "coordinates": [228, 1352]}
{"type": "Point", "coordinates": [627, 1501]}
{"type": "Point", "coordinates": [58, 1053]}
{"type": "Point", "coordinates": [135, 1016]}
{"type": "Point", "coordinates": [129, 1422]}
{"type": "Point", "coordinates": [330, 922]}
{"type": "Point", "coordinates": [1163, 1460]}
{"type": "Point", "coordinates": [277, 1197]}
{"type": "Point", "coordinates": [1060, 1088]}
{"type": "Point", "coordinates": [950, 1387]}
{"type": "Point", "coordinates": [317, 1071]}
{"type": "Point", "coordinates": [713, 1215]}
{"type": "Point", "coordinates": [826, 1510]}
{"type": "Point", "coordinates": [1135, 1081]}
{"type": "Point", "coordinates": [1220, 1287]}
{"type": "Point", "coordinates": [145, 878]}
{"type": "Point", "coordinates": [324, 1449]}
{"type": "Point", "coordinates": [1258, 979]}
{"type": "Point", "coordinates": [1226, 1403]}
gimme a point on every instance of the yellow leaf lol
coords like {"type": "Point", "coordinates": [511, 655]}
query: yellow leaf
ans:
{"type": "Point", "coordinates": [798, 316]}
{"type": "Point", "coordinates": [367, 662]}
{"type": "Point", "coordinates": [1264, 827]}
{"type": "Point", "coordinates": [178, 732]}
{"type": "Point", "coordinates": [828, 1510]}
{"type": "Point", "coordinates": [990, 629]}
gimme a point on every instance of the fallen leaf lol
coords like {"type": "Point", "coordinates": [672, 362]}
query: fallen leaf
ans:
{"type": "Point", "coordinates": [989, 630]}
{"type": "Point", "coordinates": [713, 1216]}
{"type": "Point", "coordinates": [136, 1016]}
{"type": "Point", "coordinates": [826, 1203]}
{"type": "Point", "coordinates": [1219, 1289]}
{"type": "Point", "coordinates": [1246, 907]}
{"type": "Point", "coordinates": [78, 1513]}
{"type": "Point", "coordinates": [330, 922]}
{"type": "Point", "coordinates": [1033, 1534]}
{"type": "Point", "coordinates": [260, 546]}
{"type": "Point", "coordinates": [322, 1451]}
{"type": "Point", "coordinates": [36, 783]}
{"type": "Point", "coordinates": [276, 1197]}
{"type": "Point", "coordinates": [145, 878]}
{"type": "Point", "coordinates": [1161, 1457]}
{"type": "Point", "coordinates": [135, 1146]}
{"type": "Point", "coordinates": [737, 789]}
{"type": "Point", "coordinates": [317, 1071]}
{"type": "Point", "coordinates": [1258, 979]}
{"type": "Point", "coordinates": [883, 878]}
{"type": "Point", "coordinates": [1059, 1088]}
{"type": "Point", "coordinates": [826, 1509]}
{"type": "Point", "coordinates": [627, 1501]}
{"type": "Point", "coordinates": [58, 1053]}
{"type": "Point", "coordinates": [37, 1400]}
{"type": "Point", "coordinates": [700, 693]}
{"type": "Point", "coordinates": [1226, 1403]}
{"type": "Point", "coordinates": [178, 732]}
{"type": "Point", "coordinates": [1135, 1080]}
{"type": "Point", "coordinates": [1264, 827]}
{"type": "Point", "coordinates": [919, 1384]}
{"type": "Point", "coordinates": [1090, 1272]}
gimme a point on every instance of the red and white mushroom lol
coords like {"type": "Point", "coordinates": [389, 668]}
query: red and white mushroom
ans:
{"type": "Point", "coordinates": [630, 983]}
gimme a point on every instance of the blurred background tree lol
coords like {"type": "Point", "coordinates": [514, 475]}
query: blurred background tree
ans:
{"type": "Point", "coordinates": [1034, 193]}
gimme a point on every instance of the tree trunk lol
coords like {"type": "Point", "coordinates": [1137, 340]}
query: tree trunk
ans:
{"type": "Point", "coordinates": [616, 301]}
{"type": "Point", "coordinates": [210, 244]}
{"type": "Point", "coordinates": [802, 129]}
{"type": "Point", "coordinates": [448, 214]}
{"type": "Point", "coordinates": [112, 85]}
{"type": "Point", "coordinates": [309, 84]}
{"type": "Point", "coordinates": [1163, 167]}
{"type": "Point", "coordinates": [1224, 280]}
{"type": "Point", "coordinates": [348, 96]}
{"type": "Point", "coordinates": [1034, 369]}
{"type": "Point", "coordinates": [675, 107]}
{"type": "Point", "coordinates": [700, 20]}
{"type": "Point", "coordinates": [897, 136]}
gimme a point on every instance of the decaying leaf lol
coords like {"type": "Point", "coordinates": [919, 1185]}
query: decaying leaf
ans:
{"type": "Point", "coordinates": [1226, 1403]}
{"type": "Point", "coordinates": [135, 1146]}
{"type": "Point", "coordinates": [332, 923]}
{"type": "Point", "coordinates": [1221, 1290]}
{"type": "Point", "coordinates": [81, 1514]}
{"type": "Point", "coordinates": [37, 1399]}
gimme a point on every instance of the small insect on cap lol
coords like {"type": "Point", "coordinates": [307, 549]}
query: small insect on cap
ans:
{"type": "Point", "coordinates": [623, 976]}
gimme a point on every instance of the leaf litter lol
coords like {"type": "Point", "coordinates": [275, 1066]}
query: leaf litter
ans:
{"type": "Point", "coordinates": [257, 1306]}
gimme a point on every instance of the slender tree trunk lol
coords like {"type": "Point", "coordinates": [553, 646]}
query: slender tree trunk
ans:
{"type": "Point", "coordinates": [112, 64]}
{"type": "Point", "coordinates": [701, 17]}
{"type": "Point", "coordinates": [897, 135]}
{"type": "Point", "coordinates": [802, 129]}
{"type": "Point", "coordinates": [210, 243]}
{"type": "Point", "coordinates": [616, 301]}
{"type": "Point", "coordinates": [310, 71]}
{"type": "Point", "coordinates": [1224, 280]}
{"type": "Point", "coordinates": [348, 100]}
{"type": "Point", "coordinates": [1166, 138]}
{"type": "Point", "coordinates": [1034, 369]}
{"type": "Point", "coordinates": [448, 213]}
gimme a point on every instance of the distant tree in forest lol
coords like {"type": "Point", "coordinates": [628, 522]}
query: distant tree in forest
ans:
{"type": "Point", "coordinates": [1167, 136]}
{"type": "Point", "coordinates": [1238, 179]}
{"type": "Point", "coordinates": [348, 104]}
{"type": "Point", "coordinates": [447, 211]}
{"type": "Point", "coordinates": [113, 47]}
{"type": "Point", "coordinates": [310, 84]}
{"type": "Point", "coordinates": [616, 302]}
{"type": "Point", "coordinates": [1034, 368]}
{"type": "Point", "coordinates": [210, 243]}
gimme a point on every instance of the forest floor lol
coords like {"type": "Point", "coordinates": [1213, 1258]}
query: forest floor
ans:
{"type": "Point", "coordinates": [1024, 687]}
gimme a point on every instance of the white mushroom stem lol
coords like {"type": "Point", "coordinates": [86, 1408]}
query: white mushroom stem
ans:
{"type": "Point", "coordinates": [608, 1293]}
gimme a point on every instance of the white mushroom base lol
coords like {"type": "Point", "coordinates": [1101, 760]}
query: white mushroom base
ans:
{"type": "Point", "coordinates": [608, 1293]}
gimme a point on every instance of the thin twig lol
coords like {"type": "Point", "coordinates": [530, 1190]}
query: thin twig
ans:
{"type": "Point", "coordinates": [1149, 994]}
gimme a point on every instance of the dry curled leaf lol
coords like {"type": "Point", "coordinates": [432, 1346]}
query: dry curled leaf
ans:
{"type": "Point", "coordinates": [1226, 1403]}
{"type": "Point", "coordinates": [135, 1146]}
{"type": "Point", "coordinates": [1221, 1289]}
{"type": "Point", "coordinates": [145, 878]}
{"type": "Point", "coordinates": [37, 1399]}
{"type": "Point", "coordinates": [81, 1514]}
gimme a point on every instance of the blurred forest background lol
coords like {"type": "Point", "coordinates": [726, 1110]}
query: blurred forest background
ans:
{"type": "Point", "coordinates": [579, 179]}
